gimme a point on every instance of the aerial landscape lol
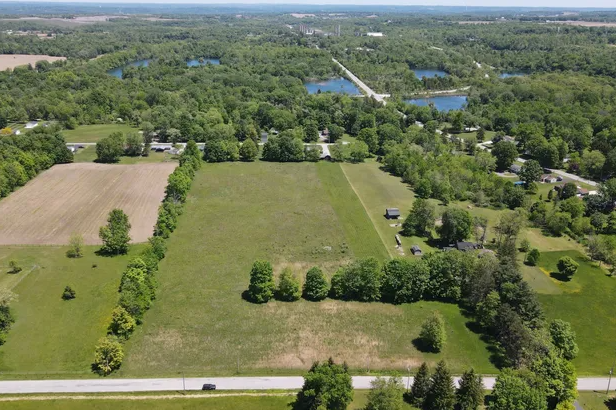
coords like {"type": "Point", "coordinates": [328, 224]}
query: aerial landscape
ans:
{"type": "Point", "coordinates": [304, 206]}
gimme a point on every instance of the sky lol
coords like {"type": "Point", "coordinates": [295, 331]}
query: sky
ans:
{"type": "Point", "coordinates": [489, 3]}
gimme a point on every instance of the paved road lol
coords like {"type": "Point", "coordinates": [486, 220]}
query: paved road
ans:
{"type": "Point", "coordinates": [362, 85]}
{"type": "Point", "coordinates": [222, 383]}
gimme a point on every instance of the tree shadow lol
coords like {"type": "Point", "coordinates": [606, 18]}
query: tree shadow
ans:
{"type": "Point", "coordinates": [560, 277]}
{"type": "Point", "coordinates": [610, 403]}
{"type": "Point", "coordinates": [422, 346]}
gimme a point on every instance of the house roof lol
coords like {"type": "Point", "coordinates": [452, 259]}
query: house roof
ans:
{"type": "Point", "coordinates": [392, 211]}
{"type": "Point", "coordinates": [415, 248]}
{"type": "Point", "coordinates": [466, 246]}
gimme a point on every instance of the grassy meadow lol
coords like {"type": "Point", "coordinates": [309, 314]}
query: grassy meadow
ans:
{"type": "Point", "coordinates": [52, 336]}
{"type": "Point", "coordinates": [96, 132]}
{"type": "Point", "coordinates": [597, 401]}
{"type": "Point", "coordinates": [237, 213]}
{"type": "Point", "coordinates": [88, 154]}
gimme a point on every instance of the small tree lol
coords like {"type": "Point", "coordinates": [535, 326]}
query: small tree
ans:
{"type": "Point", "coordinates": [14, 266]}
{"type": "Point", "coordinates": [470, 393]}
{"type": "Point", "coordinates": [550, 194]}
{"type": "Point", "coordinates": [481, 132]}
{"type": "Point", "coordinates": [567, 266]}
{"type": "Point", "coordinates": [525, 245]}
{"type": "Point", "coordinates": [75, 245]}
{"type": "Point", "coordinates": [315, 287]}
{"type": "Point", "coordinates": [115, 235]}
{"type": "Point", "coordinates": [531, 171]}
{"type": "Point", "coordinates": [249, 151]}
{"type": "Point", "coordinates": [441, 395]}
{"type": "Point", "coordinates": [288, 287]}
{"type": "Point", "coordinates": [122, 323]}
{"type": "Point", "coordinates": [69, 293]}
{"type": "Point", "coordinates": [386, 394]}
{"type": "Point", "coordinates": [533, 257]}
{"type": "Point", "coordinates": [420, 220]}
{"type": "Point", "coordinates": [327, 386]}
{"type": "Point", "coordinates": [563, 337]}
{"type": "Point", "coordinates": [421, 385]}
{"type": "Point", "coordinates": [432, 333]}
{"type": "Point", "coordinates": [262, 286]}
{"type": "Point", "coordinates": [108, 356]}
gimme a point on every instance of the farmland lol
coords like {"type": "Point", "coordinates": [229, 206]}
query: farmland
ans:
{"type": "Point", "coordinates": [10, 61]}
{"type": "Point", "coordinates": [237, 213]}
{"type": "Point", "coordinates": [93, 133]}
{"type": "Point", "coordinates": [39, 342]}
{"type": "Point", "coordinates": [76, 198]}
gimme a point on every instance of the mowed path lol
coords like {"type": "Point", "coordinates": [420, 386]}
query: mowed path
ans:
{"type": "Point", "coordinates": [76, 198]}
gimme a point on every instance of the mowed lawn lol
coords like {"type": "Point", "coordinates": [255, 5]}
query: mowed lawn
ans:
{"type": "Point", "coordinates": [597, 401]}
{"type": "Point", "coordinates": [88, 154]}
{"type": "Point", "coordinates": [586, 301]}
{"type": "Point", "coordinates": [53, 337]}
{"type": "Point", "coordinates": [265, 402]}
{"type": "Point", "coordinates": [237, 213]}
{"type": "Point", "coordinates": [94, 133]}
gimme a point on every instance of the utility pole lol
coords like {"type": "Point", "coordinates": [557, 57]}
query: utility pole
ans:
{"type": "Point", "coordinates": [183, 382]}
{"type": "Point", "coordinates": [610, 379]}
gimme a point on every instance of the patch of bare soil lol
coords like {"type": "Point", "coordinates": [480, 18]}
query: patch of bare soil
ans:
{"type": "Point", "coordinates": [11, 61]}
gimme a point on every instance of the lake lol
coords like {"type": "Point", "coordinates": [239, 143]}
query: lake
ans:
{"type": "Point", "coordinates": [429, 73]}
{"type": "Point", "coordinates": [441, 103]}
{"type": "Point", "coordinates": [195, 62]}
{"type": "Point", "coordinates": [335, 85]}
{"type": "Point", "coordinates": [509, 75]}
{"type": "Point", "coordinates": [117, 72]}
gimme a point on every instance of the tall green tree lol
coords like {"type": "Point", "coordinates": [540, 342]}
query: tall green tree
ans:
{"type": "Point", "coordinates": [111, 148]}
{"type": "Point", "coordinates": [327, 386]}
{"type": "Point", "coordinates": [249, 151]}
{"type": "Point", "coordinates": [531, 171]}
{"type": "Point", "coordinates": [515, 392]}
{"type": "Point", "coordinates": [108, 356]}
{"type": "Point", "coordinates": [315, 286]}
{"type": "Point", "coordinates": [262, 286]}
{"type": "Point", "coordinates": [421, 385]}
{"type": "Point", "coordinates": [441, 394]}
{"type": "Point", "coordinates": [115, 235]}
{"type": "Point", "coordinates": [505, 153]}
{"type": "Point", "coordinates": [456, 225]}
{"type": "Point", "coordinates": [563, 337]}
{"type": "Point", "coordinates": [420, 220]}
{"type": "Point", "coordinates": [433, 334]}
{"type": "Point", "coordinates": [470, 393]}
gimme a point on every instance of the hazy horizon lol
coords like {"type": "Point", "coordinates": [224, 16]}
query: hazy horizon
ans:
{"type": "Point", "coordinates": [558, 4]}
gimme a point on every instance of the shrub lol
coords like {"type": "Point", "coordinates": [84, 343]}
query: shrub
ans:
{"type": "Point", "coordinates": [14, 266]}
{"type": "Point", "coordinates": [262, 286]}
{"type": "Point", "coordinates": [525, 245]}
{"type": "Point", "coordinates": [533, 257]}
{"type": "Point", "coordinates": [69, 293]}
{"type": "Point", "coordinates": [567, 266]}
{"type": "Point", "coordinates": [108, 356]}
{"type": "Point", "coordinates": [432, 333]}
{"type": "Point", "coordinates": [75, 244]}
{"type": "Point", "coordinates": [315, 287]}
{"type": "Point", "coordinates": [288, 287]}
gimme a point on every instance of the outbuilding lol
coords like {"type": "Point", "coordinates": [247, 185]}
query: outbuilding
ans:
{"type": "Point", "coordinates": [467, 246]}
{"type": "Point", "coordinates": [392, 213]}
{"type": "Point", "coordinates": [416, 250]}
{"type": "Point", "coordinates": [515, 168]}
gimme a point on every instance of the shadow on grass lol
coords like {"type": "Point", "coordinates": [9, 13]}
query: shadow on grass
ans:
{"type": "Point", "coordinates": [610, 403]}
{"type": "Point", "coordinates": [560, 277]}
{"type": "Point", "coordinates": [422, 346]}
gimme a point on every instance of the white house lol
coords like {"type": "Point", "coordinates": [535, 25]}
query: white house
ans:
{"type": "Point", "coordinates": [373, 34]}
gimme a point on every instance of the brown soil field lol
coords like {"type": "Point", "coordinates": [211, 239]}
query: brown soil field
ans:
{"type": "Point", "coordinates": [585, 23]}
{"type": "Point", "coordinates": [76, 198]}
{"type": "Point", "coordinates": [15, 60]}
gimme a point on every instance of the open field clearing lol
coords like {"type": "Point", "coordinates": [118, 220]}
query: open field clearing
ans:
{"type": "Point", "coordinates": [53, 337]}
{"type": "Point", "coordinates": [237, 213]}
{"type": "Point", "coordinates": [88, 154]}
{"type": "Point", "coordinates": [76, 198]}
{"type": "Point", "coordinates": [585, 23]}
{"type": "Point", "coordinates": [11, 61]}
{"type": "Point", "coordinates": [597, 401]}
{"type": "Point", "coordinates": [94, 133]}
{"type": "Point", "coordinates": [586, 301]}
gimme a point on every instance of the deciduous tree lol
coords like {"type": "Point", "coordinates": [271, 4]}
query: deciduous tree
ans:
{"type": "Point", "coordinates": [315, 286]}
{"type": "Point", "coordinates": [108, 356]}
{"type": "Point", "coordinates": [327, 386]}
{"type": "Point", "coordinates": [115, 235]}
{"type": "Point", "coordinates": [433, 334]}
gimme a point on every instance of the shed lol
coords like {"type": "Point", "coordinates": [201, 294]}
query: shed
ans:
{"type": "Point", "coordinates": [31, 124]}
{"type": "Point", "coordinates": [398, 240]}
{"type": "Point", "coordinates": [392, 213]}
{"type": "Point", "coordinates": [515, 168]}
{"type": "Point", "coordinates": [416, 250]}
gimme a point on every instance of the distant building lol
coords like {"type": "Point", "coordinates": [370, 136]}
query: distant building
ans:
{"type": "Point", "coordinates": [31, 124]}
{"type": "Point", "coordinates": [467, 246]}
{"type": "Point", "coordinates": [515, 168]}
{"type": "Point", "coordinates": [548, 179]}
{"type": "Point", "coordinates": [372, 34]}
{"type": "Point", "coordinates": [416, 250]}
{"type": "Point", "coordinates": [392, 213]}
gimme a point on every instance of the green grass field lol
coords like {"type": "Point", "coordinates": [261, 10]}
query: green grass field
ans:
{"type": "Point", "coordinates": [52, 336]}
{"type": "Point", "coordinates": [266, 402]}
{"type": "Point", "coordinates": [94, 133]}
{"type": "Point", "coordinates": [237, 213]}
{"type": "Point", "coordinates": [88, 154]}
{"type": "Point", "coordinates": [597, 401]}
{"type": "Point", "coordinates": [585, 301]}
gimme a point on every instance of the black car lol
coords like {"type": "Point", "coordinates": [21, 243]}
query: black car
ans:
{"type": "Point", "coordinates": [208, 386]}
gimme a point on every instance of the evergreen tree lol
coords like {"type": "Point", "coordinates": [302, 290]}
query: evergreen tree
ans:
{"type": "Point", "coordinates": [441, 394]}
{"type": "Point", "coordinates": [288, 287]}
{"type": "Point", "coordinates": [470, 393]}
{"type": "Point", "coordinates": [262, 286]}
{"type": "Point", "coordinates": [315, 287]}
{"type": "Point", "coordinates": [421, 385]}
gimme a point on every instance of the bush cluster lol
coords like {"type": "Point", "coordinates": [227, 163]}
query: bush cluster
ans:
{"type": "Point", "coordinates": [138, 283]}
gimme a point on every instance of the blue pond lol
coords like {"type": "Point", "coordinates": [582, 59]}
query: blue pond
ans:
{"type": "Point", "coordinates": [117, 72]}
{"type": "Point", "coordinates": [441, 103]}
{"type": "Point", "coordinates": [428, 73]}
{"type": "Point", "coordinates": [335, 85]}
{"type": "Point", "coordinates": [508, 75]}
{"type": "Point", "coordinates": [195, 62]}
